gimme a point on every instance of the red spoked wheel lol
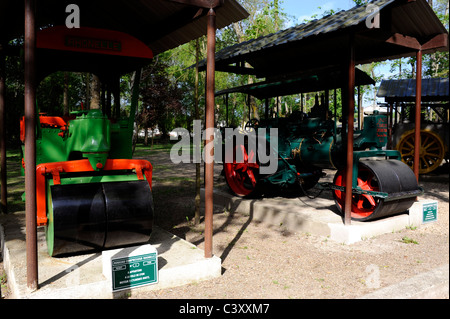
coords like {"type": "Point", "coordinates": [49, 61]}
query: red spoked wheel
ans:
{"type": "Point", "coordinates": [389, 176]}
{"type": "Point", "coordinates": [363, 205]}
{"type": "Point", "coordinates": [242, 176]}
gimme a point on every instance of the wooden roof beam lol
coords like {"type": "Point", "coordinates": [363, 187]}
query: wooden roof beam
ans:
{"type": "Point", "coordinates": [404, 41]}
{"type": "Point", "coordinates": [236, 69]}
{"type": "Point", "coordinates": [438, 41]}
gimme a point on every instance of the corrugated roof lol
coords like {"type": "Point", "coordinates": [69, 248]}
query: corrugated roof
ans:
{"type": "Point", "coordinates": [330, 23]}
{"type": "Point", "coordinates": [161, 24]}
{"type": "Point", "coordinates": [436, 88]}
{"type": "Point", "coordinates": [324, 42]}
{"type": "Point", "coordinates": [326, 81]}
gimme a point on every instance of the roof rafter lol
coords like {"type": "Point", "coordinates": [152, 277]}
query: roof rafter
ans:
{"type": "Point", "coordinates": [405, 41]}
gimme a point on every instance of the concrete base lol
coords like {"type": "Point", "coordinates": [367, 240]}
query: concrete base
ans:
{"type": "Point", "coordinates": [179, 263]}
{"type": "Point", "coordinates": [317, 216]}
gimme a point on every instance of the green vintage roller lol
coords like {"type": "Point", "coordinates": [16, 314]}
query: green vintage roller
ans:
{"type": "Point", "coordinates": [90, 194]}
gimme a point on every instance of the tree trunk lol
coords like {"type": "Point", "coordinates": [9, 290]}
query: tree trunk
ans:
{"type": "Point", "coordinates": [153, 135]}
{"type": "Point", "coordinates": [146, 135]}
{"type": "Point", "coordinates": [95, 93]}
{"type": "Point", "coordinates": [136, 128]}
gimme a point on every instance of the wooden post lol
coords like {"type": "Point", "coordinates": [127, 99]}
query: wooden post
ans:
{"type": "Point", "coordinates": [209, 165]}
{"type": "Point", "coordinates": [417, 142]}
{"type": "Point", "coordinates": [30, 148]}
{"type": "Point", "coordinates": [350, 118]}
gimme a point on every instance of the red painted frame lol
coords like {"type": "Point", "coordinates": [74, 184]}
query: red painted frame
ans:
{"type": "Point", "coordinates": [141, 167]}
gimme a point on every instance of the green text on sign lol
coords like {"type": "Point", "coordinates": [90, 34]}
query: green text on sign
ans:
{"type": "Point", "coordinates": [429, 212]}
{"type": "Point", "coordinates": [134, 271]}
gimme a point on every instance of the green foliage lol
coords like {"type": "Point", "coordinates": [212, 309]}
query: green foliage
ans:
{"type": "Point", "coordinates": [360, 2]}
{"type": "Point", "coordinates": [14, 100]}
{"type": "Point", "coordinates": [168, 85]}
{"type": "Point", "coordinates": [50, 92]}
{"type": "Point", "coordinates": [269, 19]}
{"type": "Point", "coordinates": [408, 240]}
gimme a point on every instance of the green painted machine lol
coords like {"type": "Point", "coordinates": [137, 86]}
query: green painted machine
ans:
{"type": "Point", "coordinates": [90, 194]}
{"type": "Point", "coordinates": [308, 143]}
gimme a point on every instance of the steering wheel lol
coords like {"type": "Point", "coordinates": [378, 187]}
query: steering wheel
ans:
{"type": "Point", "coordinates": [253, 123]}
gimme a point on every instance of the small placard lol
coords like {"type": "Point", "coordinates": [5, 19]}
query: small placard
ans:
{"type": "Point", "coordinates": [131, 267]}
{"type": "Point", "coordinates": [430, 212]}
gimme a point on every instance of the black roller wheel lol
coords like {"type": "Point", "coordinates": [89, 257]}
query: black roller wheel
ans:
{"type": "Point", "coordinates": [388, 176]}
{"type": "Point", "coordinates": [91, 217]}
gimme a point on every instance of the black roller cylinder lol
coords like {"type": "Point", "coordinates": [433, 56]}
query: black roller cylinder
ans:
{"type": "Point", "coordinates": [95, 216]}
{"type": "Point", "coordinates": [129, 213]}
{"type": "Point", "coordinates": [396, 179]}
{"type": "Point", "coordinates": [385, 177]}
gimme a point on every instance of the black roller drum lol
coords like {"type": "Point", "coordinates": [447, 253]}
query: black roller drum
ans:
{"type": "Point", "coordinates": [385, 176]}
{"type": "Point", "coordinates": [398, 180]}
{"type": "Point", "coordinates": [129, 213]}
{"type": "Point", "coordinates": [95, 216]}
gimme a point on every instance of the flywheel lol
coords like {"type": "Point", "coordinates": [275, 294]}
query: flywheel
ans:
{"type": "Point", "coordinates": [242, 175]}
{"type": "Point", "coordinates": [431, 154]}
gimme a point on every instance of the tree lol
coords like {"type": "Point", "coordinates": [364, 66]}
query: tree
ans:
{"type": "Point", "coordinates": [160, 99]}
{"type": "Point", "coordinates": [95, 93]}
{"type": "Point", "coordinates": [437, 64]}
{"type": "Point", "coordinates": [265, 18]}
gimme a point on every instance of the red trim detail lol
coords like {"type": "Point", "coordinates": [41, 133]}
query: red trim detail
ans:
{"type": "Point", "coordinates": [142, 167]}
{"type": "Point", "coordinates": [22, 129]}
{"type": "Point", "coordinates": [52, 121]}
{"type": "Point", "coordinates": [47, 121]}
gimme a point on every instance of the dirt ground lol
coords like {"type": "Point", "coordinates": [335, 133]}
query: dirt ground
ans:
{"type": "Point", "coordinates": [262, 261]}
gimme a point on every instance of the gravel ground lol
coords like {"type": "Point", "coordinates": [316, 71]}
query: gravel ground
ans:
{"type": "Point", "coordinates": [263, 261]}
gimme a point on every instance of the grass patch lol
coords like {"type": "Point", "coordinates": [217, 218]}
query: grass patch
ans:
{"type": "Point", "coordinates": [407, 240]}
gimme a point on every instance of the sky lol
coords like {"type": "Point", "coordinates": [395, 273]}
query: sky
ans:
{"type": "Point", "coordinates": [304, 9]}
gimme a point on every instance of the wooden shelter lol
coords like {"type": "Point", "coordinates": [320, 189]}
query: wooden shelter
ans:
{"type": "Point", "coordinates": [377, 31]}
{"type": "Point", "coordinates": [161, 24]}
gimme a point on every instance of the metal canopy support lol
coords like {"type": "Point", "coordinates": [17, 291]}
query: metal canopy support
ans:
{"type": "Point", "coordinates": [417, 141]}
{"type": "Point", "coordinates": [350, 95]}
{"type": "Point", "coordinates": [209, 164]}
{"type": "Point", "coordinates": [30, 149]}
{"type": "Point", "coordinates": [4, 193]}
